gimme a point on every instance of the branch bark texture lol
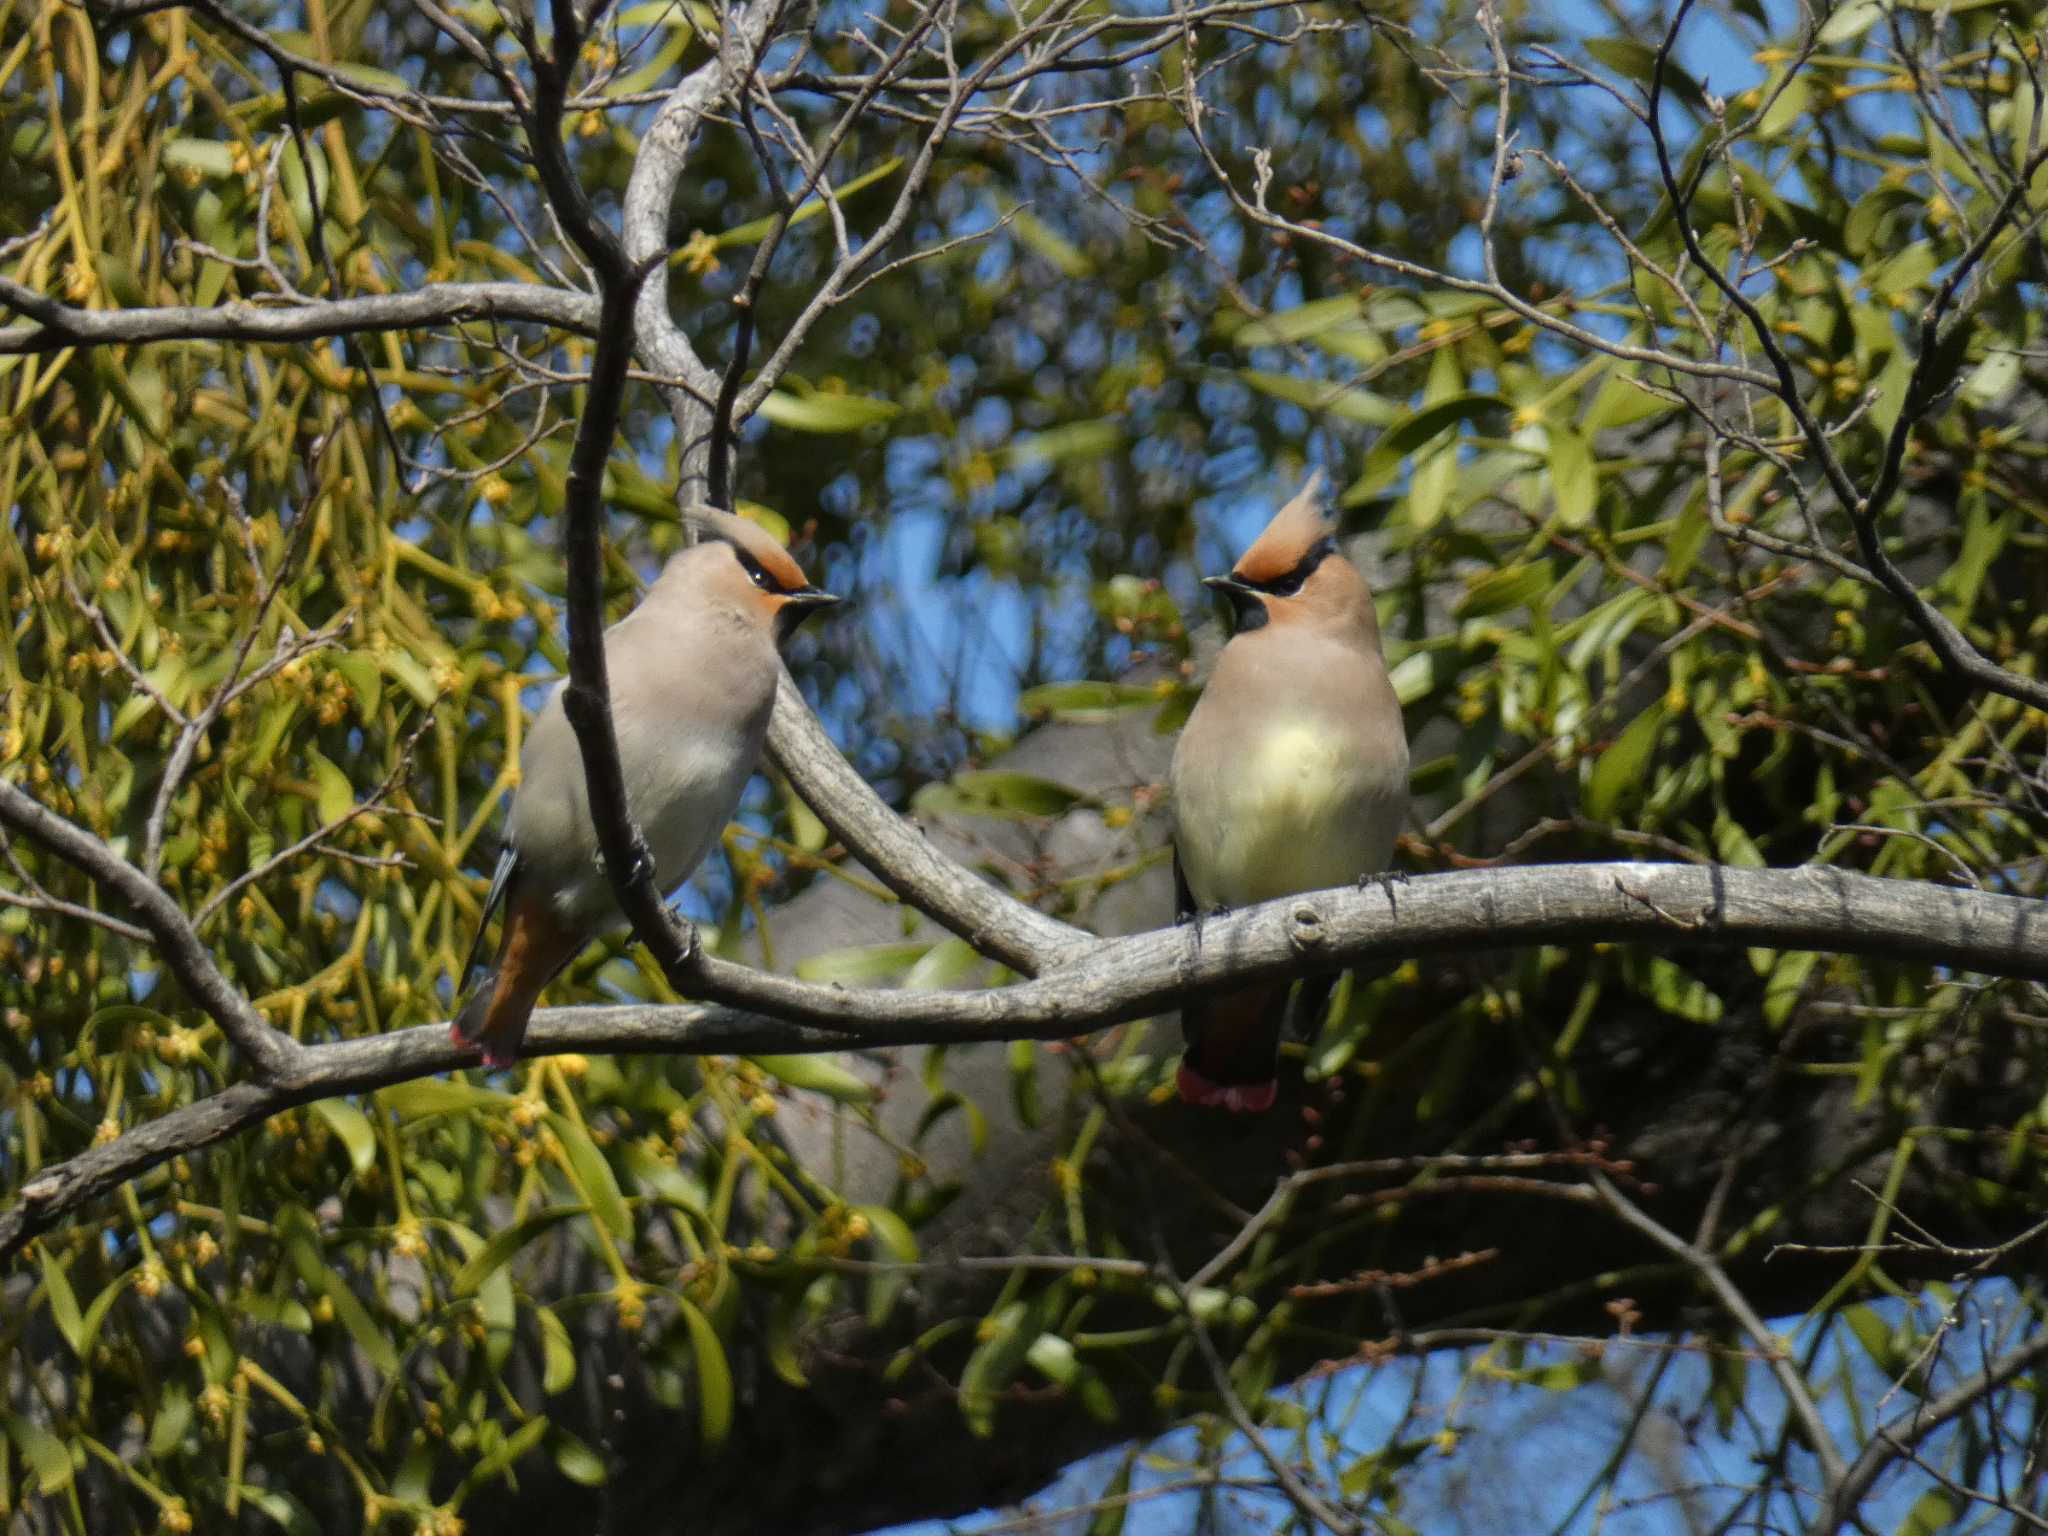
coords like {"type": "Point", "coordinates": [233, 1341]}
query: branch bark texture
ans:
{"type": "Point", "coordinates": [1665, 906]}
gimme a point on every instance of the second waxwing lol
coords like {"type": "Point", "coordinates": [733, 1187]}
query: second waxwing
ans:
{"type": "Point", "coordinates": [693, 672]}
{"type": "Point", "coordinates": [1291, 776]}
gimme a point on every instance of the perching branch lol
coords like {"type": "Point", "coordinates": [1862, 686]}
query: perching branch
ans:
{"type": "Point", "coordinates": [1663, 906]}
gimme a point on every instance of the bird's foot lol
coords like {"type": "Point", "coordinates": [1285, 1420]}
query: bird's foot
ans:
{"type": "Point", "coordinates": [1386, 880]}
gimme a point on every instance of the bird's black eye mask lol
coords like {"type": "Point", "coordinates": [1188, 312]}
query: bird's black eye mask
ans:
{"type": "Point", "coordinates": [1248, 598]}
{"type": "Point", "coordinates": [801, 602]}
{"type": "Point", "coordinates": [757, 573]}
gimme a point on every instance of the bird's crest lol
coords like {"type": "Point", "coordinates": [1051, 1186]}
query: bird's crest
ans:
{"type": "Point", "coordinates": [753, 540]}
{"type": "Point", "coordinates": [1290, 538]}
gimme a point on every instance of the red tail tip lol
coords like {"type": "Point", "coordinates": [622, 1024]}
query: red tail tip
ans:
{"type": "Point", "coordinates": [1237, 1098]}
{"type": "Point", "coordinates": [494, 1055]}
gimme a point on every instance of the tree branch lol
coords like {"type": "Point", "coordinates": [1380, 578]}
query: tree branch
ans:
{"type": "Point", "coordinates": [644, 217]}
{"type": "Point", "coordinates": [1897, 1436]}
{"type": "Point", "coordinates": [985, 915]}
{"type": "Point", "coordinates": [1114, 980]}
{"type": "Point", "coordinates": [59, 325]}
{"type": "Point", "coordinates": [271, 1053]}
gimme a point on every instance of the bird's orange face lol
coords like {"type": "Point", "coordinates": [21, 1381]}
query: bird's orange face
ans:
{"type": "Point", "coordinates": [776, 586]}
{"type": "Point", "coordinates": [1294, 574]}
{"type": "Point", "coordinates": [1275, 583]}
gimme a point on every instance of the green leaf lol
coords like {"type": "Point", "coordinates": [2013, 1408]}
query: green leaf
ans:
{"type": "Point", "coordinates": [439, 1096]}
{"type": "Point", "coordinates": [506, 1242]}
{"type": "Point", "coordinates": [1419, 428]}
{"type": "Point", "coordinates": [96, 1314]}
{"type": "Point", "coordinates": [945, 964]}
{"type": "Point", "coordinates": [817, 1074]}
{"type": "Point", "coordinates": [1621, 768]}
{"type": "Point", "coordinates": [1680, 993]}
{"type": "Point", "coordinates": [1862, 230]}
{"type": "Point", "coordinates": [1048, 242]}
{"type": "Point", "coordinates": [1108, 1519]}
{"type": "Point", "coordinates": [579, 1463]}
{"type": "Point", "coordinates": [1991, 380]}
{"type": "Point", "coordinates": [515, 1445]}
{"type": "Point", "coordinates": [1347, 402]}
{"type": "Point", "coordinates": [173, 1417]}
{"type": "Point", "coordinates": [558, 1355]}
{"type": "Point", "coordinates": [893, 1234]}
{"type": "Point", "coordinates": [1560, 1376]}
{"type": "Point", "coordinates": [1023, 1062]}
{"type": "Point", "coordinates": [63, 1302]}
{"type": "Point", "coordinates": [1075, 442]}
{"type": "Point", "coordinates": [1849, 22]}
{"type": "Point", "coordinates": [1573, 478]}
{"type": "Point", "coordinates": [754, 231]}
{"type": "Point", "coordinates": [337, 796]}
{"type": "Point", "coordinates": [280, 1311]}
{"type": "Point", "coordinates": [302, 1239]}
{"type": "Point", "coordinates": [1787, 984]}
{"type": "Point", "coordinates": [139, 390]}
{"type": "Point", "coordinates": [714, 1377]}
{"type": "Point", "coordinates": [1005, 1338]}
{"type": "Point", "coordinates": [209, 157]}
{"type": "Point", "coordinates": [352, 1126]}
{"type": "Point", "coordinates": [1935, 1510]}
{"type": "Point", "coordinates": [364, 680]}
{"type": "Point", "coordinates": [1875, 1335]}
{"type": "Point", "coordinates": [1638, 60]}
{"type": "Point", "coordinates": [1336, 325]}
{"type": "Point", "coordinates": [280, 1507]}
{"type": "Point", "coordinates": [600, 1186]}
{"type": "Point", "coordinates": [43, 1451]}
{"type": "Point", "coordinates": [1512, 586]}
{"type": "Point", "coordinates": [1000, 792]}
{"type": "Point", "coordinates": [865, 965]}
{"type": "Point", "coordinates": [779, 1341]}
{"type": "Point", "coordinates": [1087, 703]}
{"type": "Point", "coordinates": [826, 413]}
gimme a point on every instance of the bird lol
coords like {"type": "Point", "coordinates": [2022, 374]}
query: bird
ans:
{"type": "Point", "coordinates": [693, 672]}
{"type": "Point", "coordinates": [1291, 775]}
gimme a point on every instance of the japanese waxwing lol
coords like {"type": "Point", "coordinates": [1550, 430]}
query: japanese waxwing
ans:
{"type": "Point", "coordinates": [1292, 775]}
{"type": "Point", "coordinates": [693, 671]}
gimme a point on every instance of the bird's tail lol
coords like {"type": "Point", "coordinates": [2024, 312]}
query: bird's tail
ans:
{"type": "Point", "coordinates": [533, 947]}
{"type": "Point", "coordinates": [501, 882]}
{"type": "Point", "coordinates": [1233, 1049]}
{"type": "Point", "coordinates": [1233, 1043]}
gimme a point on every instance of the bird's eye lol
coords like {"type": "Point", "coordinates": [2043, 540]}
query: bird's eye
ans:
{"type": "Point", "coordinates": [757, 573]}
{"type": "Point", "coordinates": [1287, 585]}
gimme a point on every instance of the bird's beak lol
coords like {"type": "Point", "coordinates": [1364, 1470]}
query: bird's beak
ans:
{"type": "Point", "coordinates": [802, 603]}
{"type": "Point", "coordinates": [1228, 583]}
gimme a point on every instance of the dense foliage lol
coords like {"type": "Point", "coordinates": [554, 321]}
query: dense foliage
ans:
{"type": "Point", "coordinates": [1625, 603]}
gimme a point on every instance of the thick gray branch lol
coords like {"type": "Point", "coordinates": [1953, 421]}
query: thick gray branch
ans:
{"type": "Point", "coordinates": [61, 325]}
{"type": "Point", "coordinates": [986, 916]}
{"type": "Point", "coordinates": [650, 196]}
{"type": "Point", "coordinates": [1660, 905]}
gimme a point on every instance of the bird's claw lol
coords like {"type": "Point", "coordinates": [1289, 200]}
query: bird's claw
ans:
{"type": "Point", "coordinates": [1386, 880]}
